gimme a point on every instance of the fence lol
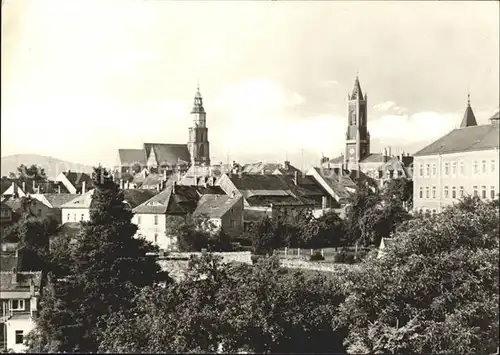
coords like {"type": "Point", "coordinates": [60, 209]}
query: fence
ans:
{"type": "Point", "coordinates": [328, 267]}
{"type": "Point", "coordinates": [327, 253]}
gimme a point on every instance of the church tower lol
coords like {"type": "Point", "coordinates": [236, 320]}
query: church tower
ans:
{"type": "Point", "coordinates": [357, 137]}
{"type": "Point", "coordinates": [198, 145]}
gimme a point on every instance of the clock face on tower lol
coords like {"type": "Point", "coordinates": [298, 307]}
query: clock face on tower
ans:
{"type": "Point", "coordinates": [351, 151]}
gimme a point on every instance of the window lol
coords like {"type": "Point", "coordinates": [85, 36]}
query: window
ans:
{"type": "Point", "coordinates": [68, 217]}
{"type": "Point", "coordinates": [433, 212]}
{"type": "Point", "coordinates": [492, 166]}
{"type": "Point", "coordinates": [139, 220]}
{"type": "Point", "coordinates": [483, 167]}
{"type": "Point", "coordinates": [454, 168]}
{"type": "Point", "coordinates": [476, 194]}
{"type": "Point", "coordinates": [18, 305]}
{"type": "Point", "coordinates": [421, 170]}
{"type": "Point", "coordinates": [434, 192]}
{"type": "Point", "coordinates": [156, 220]}
{"type": "Point", "coordinates": [19, 337]}
{"type": "Point", "coordinates": [74, 217]}
{"type": "Point", "coordinates": [39, 213]}
{"type": "Point", "coordinates": [453, 192]}
{"type": "Point", "coordinates": [475, 167]}
{"type": "Point", "coordinates": [428, 170]}
{"type": "Point", "coordinates": [461, 191]}
{"type": "Point", "coordinates": [492, 193]}
{"type": "Point", "coordinates": [421, 192]}
{"type": "Point", "coordinates": [446, 192]}
{"type": "Point", "coordinates": [446, 168]}
{"type": "Point", "coordinates": [483, 191]}
{"type": "Point", "coordinates": [5, 213]}
{"type": "Point", "coordinates": [462, 168]}
{"type": "Point", "coordinates": [156, 238]}
{"type": "Point", "coordinates": [427, 192]}
{"type": "Point", "coordinates": [433, 169]}
{"type": "Point", "coordinates": [81, 217]}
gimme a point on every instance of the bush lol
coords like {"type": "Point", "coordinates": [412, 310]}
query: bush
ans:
{"type": "Point", "coordinates": [316, 257]}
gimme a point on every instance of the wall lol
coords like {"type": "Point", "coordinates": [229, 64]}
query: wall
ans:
{"type": "Point", "coordinates": [26, 324]}
{"type": "Point", "coordinates": [309, 265]}
{"type": "Point", "coordinates": [427, 178]}
{"type": "Point", "coordinates": [147, 229]}
{"type": "Point", "coordinates": [78, 212]}
{"type": "Point", "coordinates": [235, 214]}
{"type": "Point", "coordinates": [177, 267]}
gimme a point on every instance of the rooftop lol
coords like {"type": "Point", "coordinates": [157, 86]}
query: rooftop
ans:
{"type": "Point", "coordinates": [474, 138]}
{"type": "Point", "coordinates": [23, 282]}
{"type": "Point", "coordinates": [215, 206]}
{"type": "Point", "coordinates": [130, 157]}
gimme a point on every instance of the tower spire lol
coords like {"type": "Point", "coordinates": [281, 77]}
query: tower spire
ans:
{"type": "Point", "coordinates": [469, 119]}
{"type": "Point", "coordinates": [357, 94]}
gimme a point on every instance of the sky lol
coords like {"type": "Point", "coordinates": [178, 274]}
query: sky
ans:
{"type": "Point", "coordinates": [83, 78]}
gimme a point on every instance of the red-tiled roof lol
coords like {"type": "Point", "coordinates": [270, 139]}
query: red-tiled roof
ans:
{"type": "Point", "coordinates": [475, 138]}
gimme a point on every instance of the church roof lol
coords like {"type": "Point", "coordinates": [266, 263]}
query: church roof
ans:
{"type": "Point", "coordinates": [357, 94]}
{"type": "Point", "coordinates": [129, 157]}
{"type": "Point", "coordinates": [169, 154]}
{"type": "Point", "coordinates": [473, 138]}
{"type": "Point", "coordinates": [469, 118]}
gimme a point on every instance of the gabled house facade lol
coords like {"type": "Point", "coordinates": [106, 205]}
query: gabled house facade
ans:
{"type": "Point", "coordinates": [20, 292]}
{"type": "Point", "coordinates": [175, 200]}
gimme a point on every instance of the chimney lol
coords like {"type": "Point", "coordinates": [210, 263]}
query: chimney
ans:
{"type": "Point", "coordinates": [14, 188]}
{"type": "Point", "coordinates": [323, 203]}
{"type": "Point", "coordinates": [173, 187]}
{"type": "Point", "coordinates": [165, 174]}
{"type": "Point", "coordinates": [296, 177]}
{"type": "Point", "coordinates": [286, 166]}
{"type": "Point", "coordinates": [14, 275]}
{"type": "Point", "coordinates": [32, 288]}
{"type": "Point", "coordinates": [24, 186]}
{"type": "Point", "coordinates": [83, 187]}
{"type": "Point", "coordinates": [58, 188]}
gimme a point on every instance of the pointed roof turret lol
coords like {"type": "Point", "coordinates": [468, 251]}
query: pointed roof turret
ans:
{"type": "Point", "coordinates": [469, 118]}
{"type": "Point", "coordinates": [198, 102]}
{"type": "Point", "coordinates": [356, 92]}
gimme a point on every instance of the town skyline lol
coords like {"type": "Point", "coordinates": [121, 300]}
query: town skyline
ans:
{"type": "Point", "coordinates": [87, 91]}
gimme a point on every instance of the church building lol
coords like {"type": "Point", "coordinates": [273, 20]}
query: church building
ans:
{"type": "Point", "coordinates": [167, 158]}
{"type": "Point", "coordinates": [357, 155]}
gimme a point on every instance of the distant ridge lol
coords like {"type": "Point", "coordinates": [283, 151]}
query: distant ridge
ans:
{"type": "Point", "coordinates": [52, 166]}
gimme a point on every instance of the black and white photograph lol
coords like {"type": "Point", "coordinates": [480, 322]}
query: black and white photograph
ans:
{"type": "Point", "coordinates": [250, 177]}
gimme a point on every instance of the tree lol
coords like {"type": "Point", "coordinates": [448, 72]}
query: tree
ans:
{"type": "Point", "coordinates": [193, 235]}
{"type": "Point", "coordinates": [435, 291]}
{"type": "Point", "coordinates": [33, 172]}
{"type": "Point", "coordinates": [400, 190]}
{"type": "Point", "coordinates": [264, 237]}
{"type": "Point", "coordinates": [261, 308]}
{"type": "Point", "coordinates": [110, 266]}
{"type": "Point", "coordinates": [331, 231]}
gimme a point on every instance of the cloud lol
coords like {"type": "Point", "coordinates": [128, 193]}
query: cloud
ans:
{"type": "Point", "coordinates": [407, 129]}
{"type": "Point", "coordinates": [384, 106]}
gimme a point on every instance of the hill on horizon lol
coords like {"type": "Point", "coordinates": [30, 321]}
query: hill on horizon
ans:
{"type": "Point", "coordinates": [51, 165]}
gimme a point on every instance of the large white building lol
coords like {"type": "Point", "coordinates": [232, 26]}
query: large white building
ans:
{"type": "Point", "coordinates": [463, 162]}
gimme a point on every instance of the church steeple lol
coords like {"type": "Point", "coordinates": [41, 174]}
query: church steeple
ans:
{"type": "Point", "coordinates": [198, 102]}
{"type": "Point", "coordinates": [198, 144]}
{"type": "Point", "coordinates": [357, 136]}
{"type": "Point", "coordinates": [357, 94]}
{"type": "Point", "coordinates": [469, 118]}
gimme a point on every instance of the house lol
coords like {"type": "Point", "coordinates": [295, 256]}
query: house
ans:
{"type": "Point", "coordinates": [394, 168]}
{"type": "Point", "coordinates": [75, 182]}
{"type": "Point", "coordinates": [264, 195]}
{"type": "Point", "coordinates": [20, 292]}
{"type": "Point", "coordinates": [78, 209]}
{"type": "Point", "coordinates": [11, 188]}
{"type": "Point", "coordinates": [222, 211]}
{"type": "Point", "coordinates": [34, 208]}
{"type": "Point", "coordinates": [55, 201]}
{"type": "Point", "coordinates": [384, 244]}
{"type": "Point", "coordinates": [463, 162]}
{"type": "Point", "coordinates": [175, 200]}
{"type": "Point", "coordinates": [5, 213]}
{"type": "Point", "coordinates": [336, 182]}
